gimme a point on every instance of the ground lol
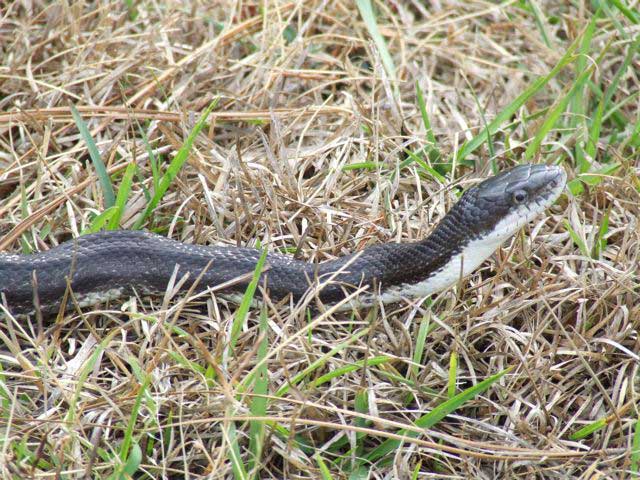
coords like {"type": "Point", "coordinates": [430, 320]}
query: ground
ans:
{"type": "Point", "coordinates": [334, 125]}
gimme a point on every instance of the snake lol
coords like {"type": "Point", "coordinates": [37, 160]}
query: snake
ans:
{"type": "Point", "coordinates": [108, 265]}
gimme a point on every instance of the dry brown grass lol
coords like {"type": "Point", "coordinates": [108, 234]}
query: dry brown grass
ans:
{"type": "Point", "coordinates": [302, 95]}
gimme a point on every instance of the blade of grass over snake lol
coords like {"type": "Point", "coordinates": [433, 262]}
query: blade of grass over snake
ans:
{"type": "Point", "coordinates": [123, 194]}
{"type": "Point", "coordinates": [247, 299]}
{"type": "Point", "coordinates": [108, 194]}
{"type": "Point", "coordinates": [175, 166]}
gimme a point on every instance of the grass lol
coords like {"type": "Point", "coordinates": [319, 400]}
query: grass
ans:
{"type": "Point", "coordinates": [319, 128]}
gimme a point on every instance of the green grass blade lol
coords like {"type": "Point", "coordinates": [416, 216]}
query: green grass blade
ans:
{"type": "Point", "coordinates": [153, 160]}
{"type": "Point", "coordinates": [591, 149]}
{"type": "Point", "coordinates": [601, 242]}
{"type": "Point", "coordinates": [99, 221]}
{"type": "Point", "coordinates": [413, 158]}
{"type": "Point", "coordinates": [435, 415]}
{"type": "Point", "coordinates": [511, 109]}
{"type": "Point", "coordinates": [615, 21]}
{"type": "Point", "coordinates": [453, 374]}
{"type": "Point", "coordinates": [5, 395]}
{"type": "Point", "coordinates": [421, 339]}
{"type": "Point", "coordinates": [133, 462]}
{"type": "Point", "coordinates": [325, 473]}
{"type": "Point", "coordinates": [362, 166]}
{"type": "Point", "coordinates": [24, 210]}
{"type": "Point", "coordinates": [247, 299]}
{"type": "Point", "coordinates": [441, 411]}
{"type": "Point", "coordinates": [84, 374]}
{"type": "Point", "coordinates": [416, 471]}
{"type": "Point", "coordinates": [187, 364]}
{"type": "Point", "coordinates": [554, 115]}
{"type": "Point", "coordinates": [432, 147]}
{"type": "Point", "coordinates": [233, 451]}
{"type": "Point", "coordinates": [396, 377]}
{"type": "Point", "coordinates": [632, 50]}
{"type": "Point", "coordinates": [577, 240]}
{"type": "Point", "coordinates": [123, 195]}
{"type": "Point", "coordinates": [175, 166]}
{"type": "Point", "coordinates": [361, 405]}
{"type": "Point", "coordinates": [108, 194]}
{"type": "Point", "coordinates": [635, 449]}
{"type": "Point", "coordinates": [369, 17]}
{"type": "Point", "coordinates": [133, 417]}
{"type": "Point", "coordinates": [541, 21]}
{"type": "Point", "coordinates": [605, 101]}
{"type": "Point", "coordinates": [631, 15]}
{"type": "Point", "coordinates": [634, 140]}
{"type": "Point", "coordinates": [492, 154]}
{"type": "Point", "coordinates": [258, 406]}
{"type": "Point", "coordinates": [371, 362]}
{"type": "Point", "coordinates": [359, 473]}
{"type": "Point", "coordinates": [593, 178]}
{"type": "Point", "coordinates": [320, 362]}
{"type": "Point", "coordinates": [589, 429]}
{"type": "Point", "coordinates": [579, 100]}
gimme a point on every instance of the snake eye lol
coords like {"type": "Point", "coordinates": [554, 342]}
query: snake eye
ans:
{"type": "Point", "coordinates": [519, 196]}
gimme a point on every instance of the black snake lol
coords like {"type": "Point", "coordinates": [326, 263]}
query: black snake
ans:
{"type": "Point", "coordinates": [111, 264]}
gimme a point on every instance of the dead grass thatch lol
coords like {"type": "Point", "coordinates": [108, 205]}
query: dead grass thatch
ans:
{"type": "Point", "coordinates": [303, 154]}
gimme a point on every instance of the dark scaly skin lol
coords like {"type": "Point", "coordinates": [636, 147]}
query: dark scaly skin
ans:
{"type": "Point", "coordinates": [145, 262]}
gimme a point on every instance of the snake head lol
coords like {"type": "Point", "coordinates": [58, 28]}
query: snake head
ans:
{"type": "Point", "coordinates": [499, 206]}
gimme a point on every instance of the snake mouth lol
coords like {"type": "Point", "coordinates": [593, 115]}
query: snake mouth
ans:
{"type": "Point", "coordinates": [554, 184]}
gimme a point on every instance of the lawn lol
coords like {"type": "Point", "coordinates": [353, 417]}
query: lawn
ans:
{"type": "Point", "coordinates": [318, 128]}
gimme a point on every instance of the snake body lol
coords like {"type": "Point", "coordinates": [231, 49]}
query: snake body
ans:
{"type": "Point", "coordinates": [113, 264]}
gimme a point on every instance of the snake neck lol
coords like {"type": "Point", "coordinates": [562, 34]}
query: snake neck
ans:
{"type": "Point", "coordinates": [439, 261]}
